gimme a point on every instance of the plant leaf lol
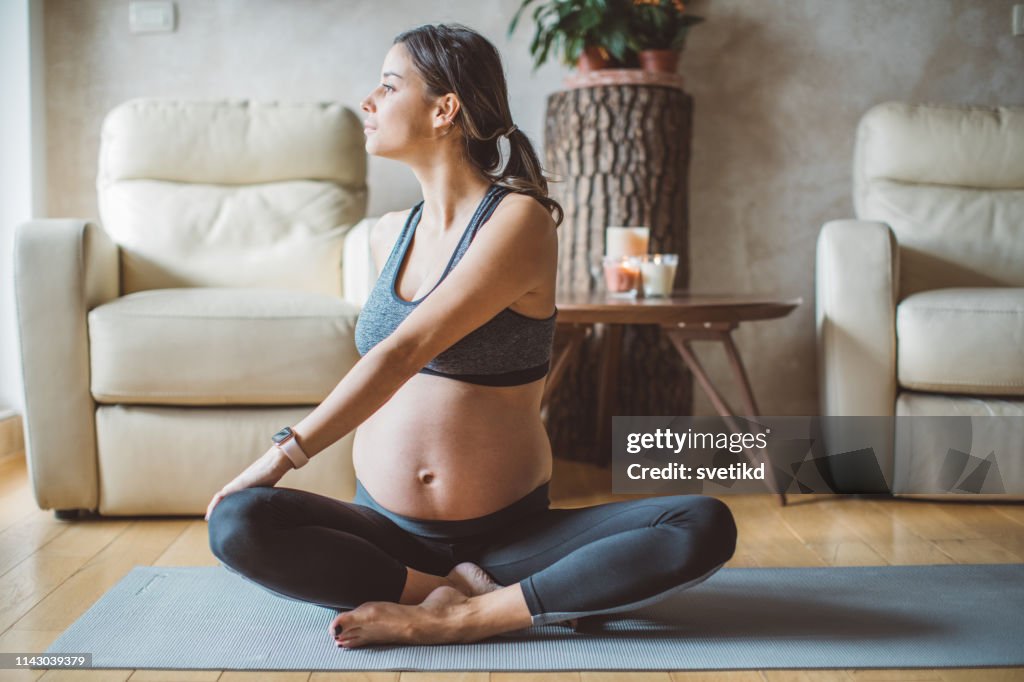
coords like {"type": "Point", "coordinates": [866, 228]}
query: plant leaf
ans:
{"type": "Point", "coordinates": [515, 18]}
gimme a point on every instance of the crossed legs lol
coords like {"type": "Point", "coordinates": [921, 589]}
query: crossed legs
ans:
{"type": "Point", "coordinates": [555, 564]}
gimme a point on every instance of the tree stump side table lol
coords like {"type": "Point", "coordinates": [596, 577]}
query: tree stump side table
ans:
{"type": "Point", "coordinates": [619, 155]}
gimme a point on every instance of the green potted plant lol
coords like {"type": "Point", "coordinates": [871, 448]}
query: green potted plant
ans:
{"type": "Point", "coordinates": [588, 34]}
{"type": "Point", "coordinates": [658, 30]}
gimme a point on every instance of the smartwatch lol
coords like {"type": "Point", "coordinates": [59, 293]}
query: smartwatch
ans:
{"type": "Point", "coordinates": [286, 442]}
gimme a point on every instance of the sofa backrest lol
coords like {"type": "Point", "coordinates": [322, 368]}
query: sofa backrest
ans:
{"type": "Point", "coordinates": [949, 180]}
{"type": "Point", "coordinates": [231, 192]}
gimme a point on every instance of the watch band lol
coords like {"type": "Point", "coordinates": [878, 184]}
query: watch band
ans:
{"type": "Point", "coordinates": [290, 447]}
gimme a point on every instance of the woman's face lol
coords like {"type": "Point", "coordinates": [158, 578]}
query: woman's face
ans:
{"type": "Point", "coordinates": [398, 118]}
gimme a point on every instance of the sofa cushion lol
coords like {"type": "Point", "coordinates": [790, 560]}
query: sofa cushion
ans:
{"type": "Point", "coordinates": [358, 270]}
{"type": "Point", "coordinates": [281, 235]}
{"type": "Point", "coordinates": [962, 341]}
{"type": "Point", "coordinates": [218, 346]}
{"type": "Point", "coordinates": [169, 459]}
{"type": "Point", "coordinates": [977, 451]}
{"type": "Point", "coordinates": [949, 180]}
{"type": "Point", "coordinates": [231, 192]}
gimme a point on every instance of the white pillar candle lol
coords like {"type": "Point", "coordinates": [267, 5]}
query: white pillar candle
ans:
{"type": "Point", "coordinates": [626, 241]}
{"type": "Point", "coordinates": [657, 272]}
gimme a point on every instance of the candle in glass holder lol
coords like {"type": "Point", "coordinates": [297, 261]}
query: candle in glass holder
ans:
{"type": "Point", "coordinates": [626, 241]}
{"type": "Point", "coordinates": [657, 272]}
{"type": "Point", "coordinates": [621, 275]}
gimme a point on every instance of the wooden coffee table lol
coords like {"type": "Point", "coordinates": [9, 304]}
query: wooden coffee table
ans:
{"type": "Point", "coordinates": [684, 317]}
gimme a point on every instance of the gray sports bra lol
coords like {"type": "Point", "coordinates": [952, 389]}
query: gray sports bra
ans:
{"type": "Point", "coordinates": [507, 350]}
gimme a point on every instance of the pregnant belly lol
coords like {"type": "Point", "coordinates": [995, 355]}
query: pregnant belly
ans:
{"type": "Point", "coordinates": [444, 449]}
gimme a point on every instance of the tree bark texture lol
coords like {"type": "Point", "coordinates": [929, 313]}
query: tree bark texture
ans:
{"type": "Point", "coordinates": [618, 155]}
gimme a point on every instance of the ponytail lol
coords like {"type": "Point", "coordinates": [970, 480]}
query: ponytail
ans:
{"type": "Point", "coordinates": [523, 174]}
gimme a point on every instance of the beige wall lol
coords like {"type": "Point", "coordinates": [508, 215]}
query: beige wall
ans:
{"type": "Point", "coordinates": [778, 85]}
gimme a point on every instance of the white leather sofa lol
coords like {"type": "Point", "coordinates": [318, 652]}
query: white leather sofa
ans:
{"type": "Point", "coordinates": [920, 299]}
{"type": "Point", "coordinates": [213, 304]}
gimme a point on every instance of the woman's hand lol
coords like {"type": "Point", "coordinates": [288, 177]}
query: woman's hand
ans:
{"type": "Point", "coordinates": [267, 470]}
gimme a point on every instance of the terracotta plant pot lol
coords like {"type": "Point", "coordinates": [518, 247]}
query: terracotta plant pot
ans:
{"type": "Point", "coordinates": [592, 58]}
{"type": "Point", "coordinates": [659, 61]}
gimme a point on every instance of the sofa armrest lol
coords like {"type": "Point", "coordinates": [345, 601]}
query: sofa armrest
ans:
{"type": "Point", "coordinates": [855, 315]}
{"type": "Point", "coordinates": [62, 269]}
{"type": "Point", "coordinates": [358, 271]}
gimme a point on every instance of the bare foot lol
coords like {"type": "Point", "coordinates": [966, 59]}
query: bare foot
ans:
{"type": "Point", "coordinates": [433, 621]}
{"type": "Point", "coordinates": [471, 580]}
{"type": "Point", "coordinates": [443, 597]}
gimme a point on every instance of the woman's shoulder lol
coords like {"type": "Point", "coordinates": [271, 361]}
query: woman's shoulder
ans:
{"type": "Point", "coordinates": [537, 247]}
{"type": "Point", "coordinates": [527, 206]}
{"type": "Point", "coordinates": [527, 228]}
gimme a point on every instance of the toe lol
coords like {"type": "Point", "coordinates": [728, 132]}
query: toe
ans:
{"type": "Point", "coordinates": [364, 613]}
{"type": "Point", "coordinates": [341, 622]}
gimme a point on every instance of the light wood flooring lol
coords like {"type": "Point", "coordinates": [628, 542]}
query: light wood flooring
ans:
{"type": "Point", "coordinates": [52, 571]}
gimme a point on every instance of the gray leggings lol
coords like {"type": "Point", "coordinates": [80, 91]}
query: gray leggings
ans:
{"type": "Point", "coordinates": [570, 563]}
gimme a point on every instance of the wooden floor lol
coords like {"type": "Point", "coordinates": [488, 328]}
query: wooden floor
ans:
{"type": "Point", "coordinates": [52, 571]}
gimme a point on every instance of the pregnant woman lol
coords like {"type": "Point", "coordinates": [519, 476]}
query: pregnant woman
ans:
{"type": "Point", "coordinates": [451, 537]}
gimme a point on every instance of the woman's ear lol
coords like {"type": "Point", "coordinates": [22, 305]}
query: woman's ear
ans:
{"type": "Point", "coordinates": [447, 109]}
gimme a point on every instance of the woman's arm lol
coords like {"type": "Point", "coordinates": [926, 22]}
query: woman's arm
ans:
{"type": "Point", "coordinates": [362, 391]}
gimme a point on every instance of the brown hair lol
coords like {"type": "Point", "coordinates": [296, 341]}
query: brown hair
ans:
{"type": "Point", "coordinates": [454, 58]}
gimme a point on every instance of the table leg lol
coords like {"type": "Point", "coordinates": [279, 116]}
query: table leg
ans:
{"type": "Point", "coordinates": [611, 346]}
{"type": "Point", "coordinates": [680, 338]}
{"type": "Point", "coordinates": [575, 334]}
{"type": "Point", "coordinates": [683, 346]}
{"type": "Point", "coordinates": [749, 404]}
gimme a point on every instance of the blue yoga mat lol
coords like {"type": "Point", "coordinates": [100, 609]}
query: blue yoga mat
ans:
{"type": "Point", "coordinates": [740, 618]}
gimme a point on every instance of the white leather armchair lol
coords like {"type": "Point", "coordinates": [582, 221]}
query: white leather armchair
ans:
{"type": "Point", "coordinates": [920, 300]}
{"type": "Point", "coordinates": [163, 347]}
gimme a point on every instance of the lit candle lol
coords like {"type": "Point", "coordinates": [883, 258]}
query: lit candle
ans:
{"type": "Point", "coordinates": [621, 274]}
{"type": "Point", "coordinates": [658, 271]}
{"type": "Point", "coordinates": [626, 241]}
